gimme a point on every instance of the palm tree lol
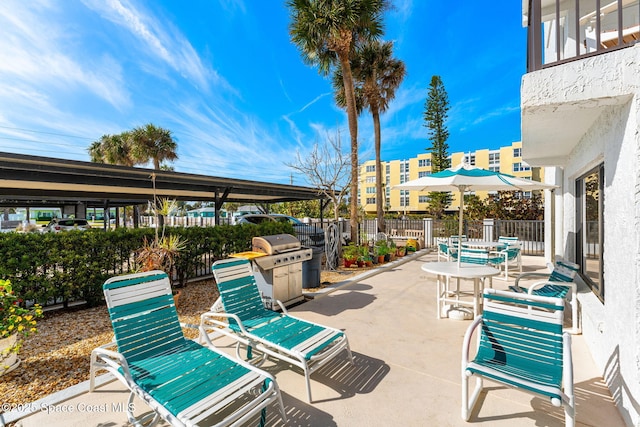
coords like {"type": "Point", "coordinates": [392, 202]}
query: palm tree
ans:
{"type": "Point", "coordinates": [326, 32]}
{"type": "Point", "coordinates": [377, 75]}
{"type": "Point", "coordinates": [113, 149]}
{"type": "Point", "coordinates": [152, 143]}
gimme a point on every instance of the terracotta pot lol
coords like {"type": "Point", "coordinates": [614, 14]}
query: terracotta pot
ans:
{"type": "Point", "coordinates": [380, 259]}
{"type": "Point", "coordinates": [176, 297]}
{"type": "Point", "coordinates": [349, 262]}
{"type": "Point", "coordinates": [8, 359]}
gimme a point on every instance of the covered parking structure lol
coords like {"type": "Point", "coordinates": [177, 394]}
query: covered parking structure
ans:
{"type": "Point", "coordinates": [76, 186]}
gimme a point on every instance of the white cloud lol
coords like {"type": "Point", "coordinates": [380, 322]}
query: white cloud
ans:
{"type": "Point", "coordinates": [160, 38]}
{"type": "Point", "coordinates": [36, 56]}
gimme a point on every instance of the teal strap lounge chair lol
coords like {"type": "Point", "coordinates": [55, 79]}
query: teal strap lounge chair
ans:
{"type": "Point", "coordinates": [280, 335]}
{"type": "Point", "coordinates": [559, 283]}
{"type": "Point", "coordinates": [184, 382]}
{"type": "Point", "coordinates": [520, 345]}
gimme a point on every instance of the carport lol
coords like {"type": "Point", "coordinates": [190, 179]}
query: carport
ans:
{"type": "Point", "coordinates": [44, 181]}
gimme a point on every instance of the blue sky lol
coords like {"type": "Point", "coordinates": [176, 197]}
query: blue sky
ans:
{"type": "Point", "coordinates": [223, 76]}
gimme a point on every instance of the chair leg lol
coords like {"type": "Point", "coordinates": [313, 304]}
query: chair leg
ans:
{"type": "Point", "coordinates": [469, 403]}
{"type": "Point", "coordinates": [307, 378]}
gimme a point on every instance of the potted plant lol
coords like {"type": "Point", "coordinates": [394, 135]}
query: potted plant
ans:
{"type": "Point", "coordinates": [350, 254]}
{"type": "Point", "coordinates": [400, 251]}
{"type": "Point", "coordinates": [16, 323]}
{"type": "Point", "coordinates": [162, 251]}
{"type": "Point", "coordinates": [382, 251]}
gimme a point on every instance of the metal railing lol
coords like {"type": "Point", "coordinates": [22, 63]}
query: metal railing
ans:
{"type": "Point", "coordinates": [562, 31]}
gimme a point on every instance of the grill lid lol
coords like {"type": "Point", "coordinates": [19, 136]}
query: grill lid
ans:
{"type": "Point", "coordinates": [275, 244]}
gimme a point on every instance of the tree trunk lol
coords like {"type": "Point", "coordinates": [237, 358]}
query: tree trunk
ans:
{"type": "Point", "coordinates": [353, 131]}
{"type": "Point", "coordinates": [379, 196]}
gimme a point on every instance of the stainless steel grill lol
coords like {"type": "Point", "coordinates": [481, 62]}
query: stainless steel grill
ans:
{"type": "Point", "coordinates": [281, 249]}
{"type": "Point", "coordinates": [279, 272]}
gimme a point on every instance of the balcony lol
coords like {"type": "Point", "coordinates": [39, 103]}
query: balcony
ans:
{"type": "Point", "coordinates": [560, 31]}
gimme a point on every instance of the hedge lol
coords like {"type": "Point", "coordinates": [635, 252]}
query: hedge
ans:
{"type": "Point", "coordinates": [52, 268]}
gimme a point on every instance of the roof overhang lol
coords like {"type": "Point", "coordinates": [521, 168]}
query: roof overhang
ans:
{"type": "Point", "coordinates": [43, 180]}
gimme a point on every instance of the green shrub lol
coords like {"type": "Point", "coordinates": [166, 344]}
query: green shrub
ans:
{"type": "Point", "coordinates": [72, 266]}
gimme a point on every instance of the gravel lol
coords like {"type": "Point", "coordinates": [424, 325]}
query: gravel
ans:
{"type": "Point", "coordinates": [58, 355]}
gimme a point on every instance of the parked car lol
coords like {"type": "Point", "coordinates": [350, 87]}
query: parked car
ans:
{"type": "Point", "coordinates": [64, 224]}
{"type": "Point", "coordinates": [309, 235]}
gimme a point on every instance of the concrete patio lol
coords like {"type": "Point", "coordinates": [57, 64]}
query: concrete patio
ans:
{"type": "Point", "coordinates": [407, 367]}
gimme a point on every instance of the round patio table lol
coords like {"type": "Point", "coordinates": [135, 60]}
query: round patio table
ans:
{"type": "Point", "coordinates": [444, 271]}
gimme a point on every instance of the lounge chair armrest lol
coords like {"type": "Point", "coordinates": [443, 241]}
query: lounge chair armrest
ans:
{"type": "Point", "coordinates": [112, 359]}
{"type": "Point", "coordinates": [213, 318]}
{"type": "Point", "coordinates": [538, 285]}
{"type": "Point", "coordinates": [282, 307]}
{"type": "Point", "coordinates": [188, 325]}
{"type": "Point", "coordinates": [529, 275]}
{"type": "Point", "coordinates": [466, 342]}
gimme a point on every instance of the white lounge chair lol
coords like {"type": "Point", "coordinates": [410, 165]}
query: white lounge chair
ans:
{"type": "Point", "coordinates": [182, 381]}
{"type": "Point", "coordinates": [299, 342]}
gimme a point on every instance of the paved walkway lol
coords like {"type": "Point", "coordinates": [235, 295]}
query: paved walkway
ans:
{"type": "Point", "coordinates": [406, 373]}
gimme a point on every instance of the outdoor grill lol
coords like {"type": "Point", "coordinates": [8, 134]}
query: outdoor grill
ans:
{"type": "Point", "coordinates": [279, 272]}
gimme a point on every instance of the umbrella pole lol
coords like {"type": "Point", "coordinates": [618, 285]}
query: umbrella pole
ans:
{"type": "Point", "coordinates": [460, 224]}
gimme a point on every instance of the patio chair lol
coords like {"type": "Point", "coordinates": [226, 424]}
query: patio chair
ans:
{"type": "Point", "coordinates": [521, 345]}
{"type": "Point", "coordinates": [245, 319]}
{"type": "Point", "coordinates": [454, 240]}
{"type": "Point", "coordinates": [445, 251]}
{"type": "Point", "coordinates": [559, 283]}
{"type": "Point", "coordinates": [481, 256]}
{"type": "Point", "coordinates": [182, 381]}
{"type": "Point", "coordinates": [508, 253]}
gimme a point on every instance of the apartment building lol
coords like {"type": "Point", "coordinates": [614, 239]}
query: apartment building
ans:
{"type": "Point", "coordinates": [580, 119]}
{"type": "Point", "coordinates": [507, 159]}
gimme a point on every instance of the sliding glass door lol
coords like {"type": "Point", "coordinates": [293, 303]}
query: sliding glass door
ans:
{"type": "Point", "coordinates": [589, 228]}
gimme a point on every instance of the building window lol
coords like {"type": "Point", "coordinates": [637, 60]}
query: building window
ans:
{"type": "Point", "coordinates": [404, 167]}
{"type": "Point", "coordinates": [470, 159]}
{"type": "Point", "coordinates": [423, 199]}
{"type": "Point", "coordinates": [371, 200]}
{"type": "Point", "coordinates": [494, 168]}
{"type": "Point", "coordinates": [371, 168]}
{"type": "Point", "coordinates": [590, 228]}
{"type": "Point", "coordinates": [517, 152]}
{"type": "Point", "coordinates": [404, 198]}
{"type": "Point", "coordinates": [423, 174]}
{"type": "Point", "coordinates": [370, 179]}
{"type": "Point", "coordinates": [371, 190]}
{"type": "Point", "coordinates": [424, 163]}
{"type": "Point", "coordinates": [521, 167]}
{"type": "Point", "coordinates": [387, 169]}
{"type": "Point", "coordinates": [494, 158]}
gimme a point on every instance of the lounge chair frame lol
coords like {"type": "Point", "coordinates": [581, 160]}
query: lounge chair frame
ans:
{"type": "Point", "coordinates": [182, 381]}
{"type": "Point", "coordinates": [239, 313]}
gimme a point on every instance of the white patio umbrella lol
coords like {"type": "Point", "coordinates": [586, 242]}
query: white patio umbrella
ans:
{"type": "Point", "coordinates": [470, 178]}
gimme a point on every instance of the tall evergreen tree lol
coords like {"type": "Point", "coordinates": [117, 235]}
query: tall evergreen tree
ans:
{"type": "Point", "coordinates": [435, 117]}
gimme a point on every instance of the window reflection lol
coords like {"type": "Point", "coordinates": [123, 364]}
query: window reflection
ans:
{"type": "Point", "coordinates": [590, 223]}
